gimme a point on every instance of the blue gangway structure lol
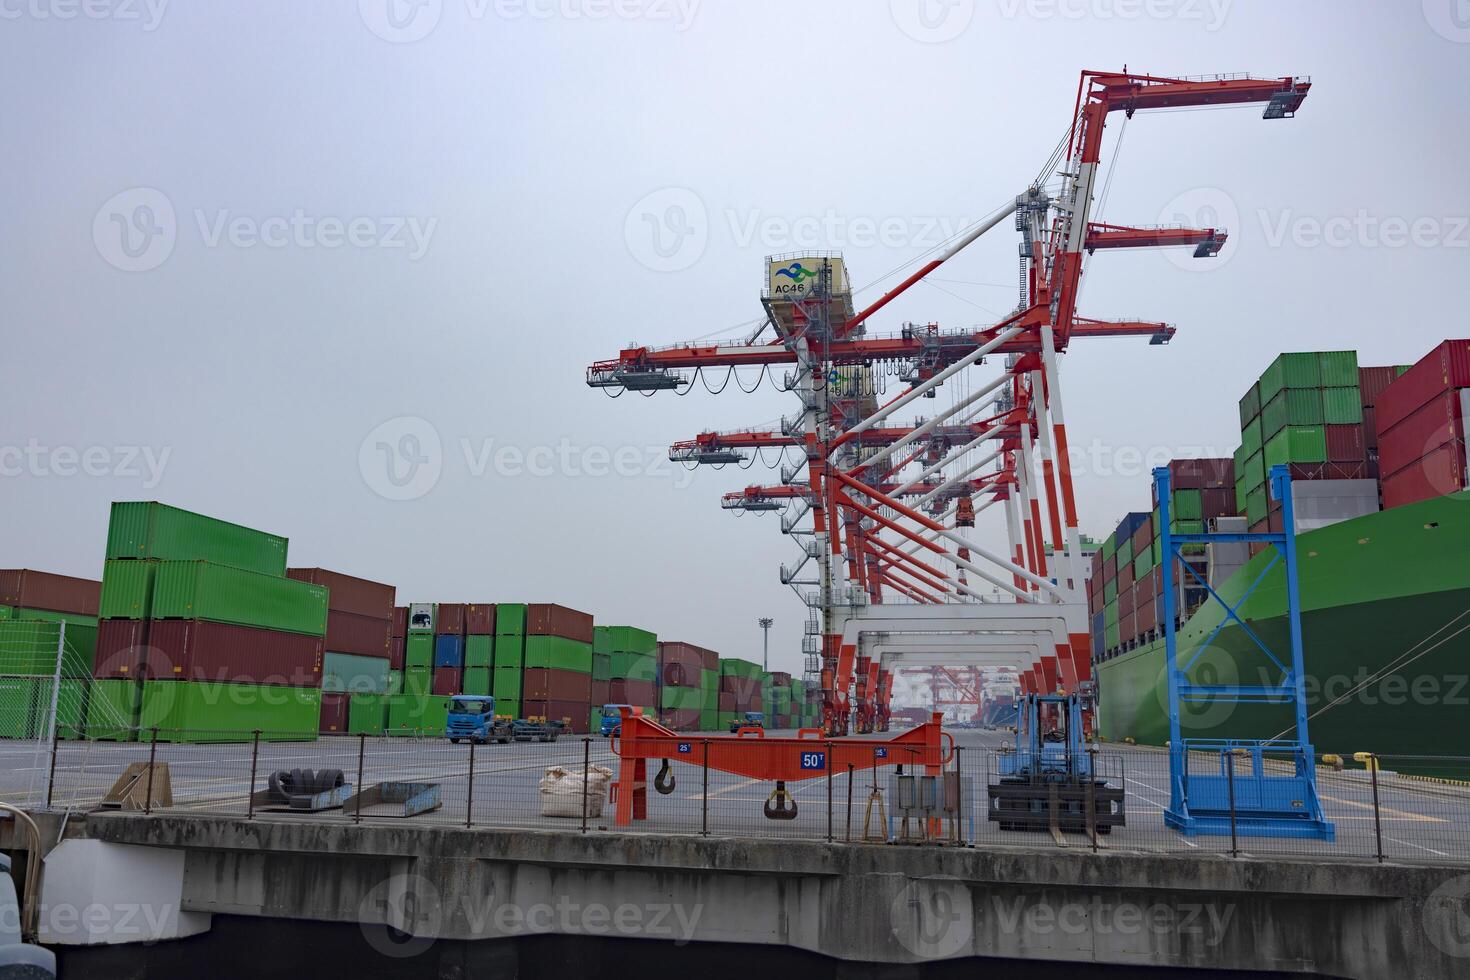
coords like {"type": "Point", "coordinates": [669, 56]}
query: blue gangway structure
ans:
{"type": "Point", "coordinates": [1244, 787]}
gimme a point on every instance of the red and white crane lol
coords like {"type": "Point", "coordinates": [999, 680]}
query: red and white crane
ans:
{"type": "Point", "coordinates": [888, 505]}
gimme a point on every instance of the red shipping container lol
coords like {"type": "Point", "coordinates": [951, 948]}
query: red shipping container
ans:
{"type": "Point", "coordinates": [780, 678]}
{"type": "Point", "coordinates": [1144, 536]}
{"type": "Point", "coordinates": [1361, 470]}
{"type": "Point", "coordinates": [400, 620]}
{"type": "Point", "coordinates": [1201, 474]}
{"type": "Point", "coordinates": [1370, 429]}
{"type": "Point", "coordinates": [1125, 602]}
{"type": "Point", "coordinates": [1435, 475]}
{"type": "Point", "coordinates": [1125, 576]}
{"type": "Point", "coordinates": [1426, 429]}
{"type": "Point", "coordinates": [574, 714]}
{"type": "Point", "coordinates": [686, 655]}
{"type": "Point", "coordinates": [1216, 502]}
{"type": "Point", "coordinates": [631, 692]}
{"type": "Point", "coordinates": [1127, 627]}
{"type": "Point", "coordinates": [1345, 443]}
{"type": "Point", "coordinates": [351, 633]}
{"type": "Point", "coordinates": [397, 651]}
{"type": "Point", "coordinates": [727, 701]}
{"type": "Point", "coordinates": [681, 719]}
{"type": "Point", "coordinates": [349, 593]}
{"type": "Point", "coordinates": [1373, 381]}
{"type": "Point", "coordinates": [601, 691]}
{"type": "Point", "coordinates": [447, 681]}
{"type": "Point", "coordinates": [1445, 367]}
{"type": "Point", "coordinates": [449, 619]}
{"type": "Point", "coordinates": [479, 619]}
{"type": "Point", "coordinates": [549, 619]}
{"type": "Point", "coordinates": [195, 650]}
{"type": "Point", "coordinates": [550, 684]}
{"type": "Point", "coordinates": [334, 713]}
{"type": "Point", "coordinates": [27, 588]}
{"type": "Point", "coordinates": [120, 648]}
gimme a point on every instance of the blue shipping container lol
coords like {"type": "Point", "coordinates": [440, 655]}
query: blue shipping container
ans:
{"type": "Point", "coordinates": [448, 651]}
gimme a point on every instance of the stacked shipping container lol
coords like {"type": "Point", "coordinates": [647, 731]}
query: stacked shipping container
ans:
{"type": "Point", "coordinates": [33, 607]}
{"type": "Point", "coordinates": [356, 663]}
{"type": "Point", "coordinates": [742, 689]}
{"type": "Point", "coordinates": [201, 634]}
{"type": "Point", "coordinates": [685, 674]}
{"type": "Point", "coordinates": [631, 672]}
{"type": "Point", "coordinates": [1420, 427]}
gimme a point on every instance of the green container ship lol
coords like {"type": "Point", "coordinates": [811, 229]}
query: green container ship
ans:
{"type": "Point", "coordinates": [1386, 642]}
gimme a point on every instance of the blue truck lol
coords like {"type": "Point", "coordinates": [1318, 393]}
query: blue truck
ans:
{"type": "Point", "coordinates": [748, 719]}
{"type": "Point", "coordinates": [472, 717]}
{"type": "Point", "coordinates": [612, 719]}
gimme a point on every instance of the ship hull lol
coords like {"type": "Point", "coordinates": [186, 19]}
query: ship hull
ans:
{"type": "Point", "coordinates": [1386, 643]}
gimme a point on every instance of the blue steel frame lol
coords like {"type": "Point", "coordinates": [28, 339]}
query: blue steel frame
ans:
{"type": "Point", "coordinates": [1265, 802]}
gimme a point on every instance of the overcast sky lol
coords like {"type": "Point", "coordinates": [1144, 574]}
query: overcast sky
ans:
{"type": "Point", "coordinates": [254, 253]}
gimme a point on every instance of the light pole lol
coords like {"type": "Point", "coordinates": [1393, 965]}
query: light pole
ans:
{"type": "Point", "coordinates": [765, 624]}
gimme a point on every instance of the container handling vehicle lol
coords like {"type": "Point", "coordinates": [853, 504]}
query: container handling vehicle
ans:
{"type": "Point", "coordinates": [748, 719]}
{"type": "Point", "coordinates": [1049, 781]}
{"type": "Point", "coordinates": [472, 717]}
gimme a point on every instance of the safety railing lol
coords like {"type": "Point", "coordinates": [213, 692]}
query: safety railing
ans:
{"type": "Point", "coordinates": [1388, 808]}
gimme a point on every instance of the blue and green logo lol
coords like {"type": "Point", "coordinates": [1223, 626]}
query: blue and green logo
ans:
{"type": "Point", "coordinates": [797, 273]}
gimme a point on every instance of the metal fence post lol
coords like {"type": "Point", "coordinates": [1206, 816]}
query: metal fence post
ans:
{"type": "Point", "coordinates": [586, 771]}
{"type": "Point", "coordinates": [152, 755]}
{"type": "Point", "coordinates": [704, 796]}
{"type": "Point", "coordinates": [1092, 796]}
{"type": "Point", "coordinates": [361, 753]}
{"type": "Point", "coordinates": [254, 762]}
{"type": "Point", "coordinates": [469, 789]}
{"type": "Point", "coordinates": [959, 797]}
{"type": "Point", "coordinates": [1230, 781]}
{"type": "Point", "coordinates": [51, 775]}
{"type": "Point", "coordinates": [829, 792]}
{"type": "Point", "coordinates": [849, 802]}
{"type": "Point", "coordinates": [1377, 816]}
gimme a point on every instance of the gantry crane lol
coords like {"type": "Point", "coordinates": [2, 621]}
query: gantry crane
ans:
{"type": "Point", "coordinates": [888, 503]}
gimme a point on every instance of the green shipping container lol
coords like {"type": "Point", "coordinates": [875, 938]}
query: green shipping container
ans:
{"type": "Point", "coordinates": [354, 674]}
{"type": "Point", "coordinates": [1250, 404]}
{"type": "Point", "coordinates": [735, 667]}
{"type": "Point", "coordinates": [681, 698]}
{"type": "Point", "coordinates": [154, 530]}
{"type": "Point", "coordinates": [1112, 635]}
{"type": "Point", "coordinates": [127, 589]}
{"type": "Point", "coordinates": [1255, 469]}
{"type": "Point", "coordinates": [1256, 506]}
{"type": "Point", "coordinates": [30, 647]}
{"type": "Point", "coordinates": [640, 667]}
{"type": "Point", "coordinates": [1109, 546]}
{"type": "Point", "coordinates": [419, 716]}
{"type": "Point", "coordinates": [1338, 368]}
{"type": "Point", "coordinates": [223, 594]}
{"type": "Point", "coordinates": [1293, 406]}
{"type": "Point", "coordinates": [112, 710]}
{"type": "Point", "coordinates": [601, 666]}
{"type": "Point", "coordinates": [1110, 590]}
{"type": "Point", "coordinates": [418, 650]}
{"type": "Point", "coordinates": [476, 681]}
{"type": "Point", "coordinates": [1252, 437]}
{"type": "Point", "coordinates": [1187, 505]}
{"type": "Point", "coordinates": [1342, 406]}
{"type": "Point", "coordinates": [479, 651]}
{"type": "Point", "coordinates": [1110, 613]}
{"type": "Point", "coordinates": [507, 707]}
{"type": "Point", "coordinates": [1143, 564]}
{"type": "Point", "coordinates": [1297, 444]}
{"type": "Point", "coordinates": [367, 714]}
{"type": "Point", "coordinates": [510, 650]}
{"type": "Point", "coordinates": [18, 715]}
{"type": "Point", "coordinates": [1297, 370]}
{"type": "Point", "coordinates": [1125, 552]}
{"type": "Point", "coordinates": [418, 681]}
{"type": "Point", "coordinates": [510, 619]}
{"type": "Point", "coordinates": [623, 639]}
{"type": "Point", "coordinates": [197, 711]}
{"type": "Point", "coordinates": [559, 653]}
{"type": "Point", "coordinates": [709, 720]}
{"type": "Point", "coordinates": [723, 720]}
{"type": "Point", "coordinates": [505, 682]}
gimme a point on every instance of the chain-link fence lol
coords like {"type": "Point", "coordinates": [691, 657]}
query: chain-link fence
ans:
{"type": "Point", "coordinates": [1389, 808]}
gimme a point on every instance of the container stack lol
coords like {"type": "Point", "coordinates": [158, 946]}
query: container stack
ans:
{"type": "Point", "coordinates": [33, 607]}
{"type": "Point", "coordinates": [412, 707]}
{"type": "Point", "coordinates": [709, 694]}
{"type": "Point", "coordinates": [1420, 427]}
{"type": "Point", "coordinates": [781, 715]}
{"type": "Point", "coordinates": [479, 648]}
{"type": "Point", "coordinates": [741, 689]}
{"type": "Point", "coordinates": [632, 667]}
{"type": "Point", "coordinates": [509, 658]}
{"type": "Point", "coordinates": [556, 682]}
{"type": "Point", "coordinates": [356, 665]}
{"type": "Point", "coordinates": [201, 634]}
{"type": "Point", "coordinates": [682, 694]}
{"type": "Point", "coordinates": [1112, 579]}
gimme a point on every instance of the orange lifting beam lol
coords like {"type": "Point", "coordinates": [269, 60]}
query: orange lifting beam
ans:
{"type": "Point", "coordinates": [751, 754]}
